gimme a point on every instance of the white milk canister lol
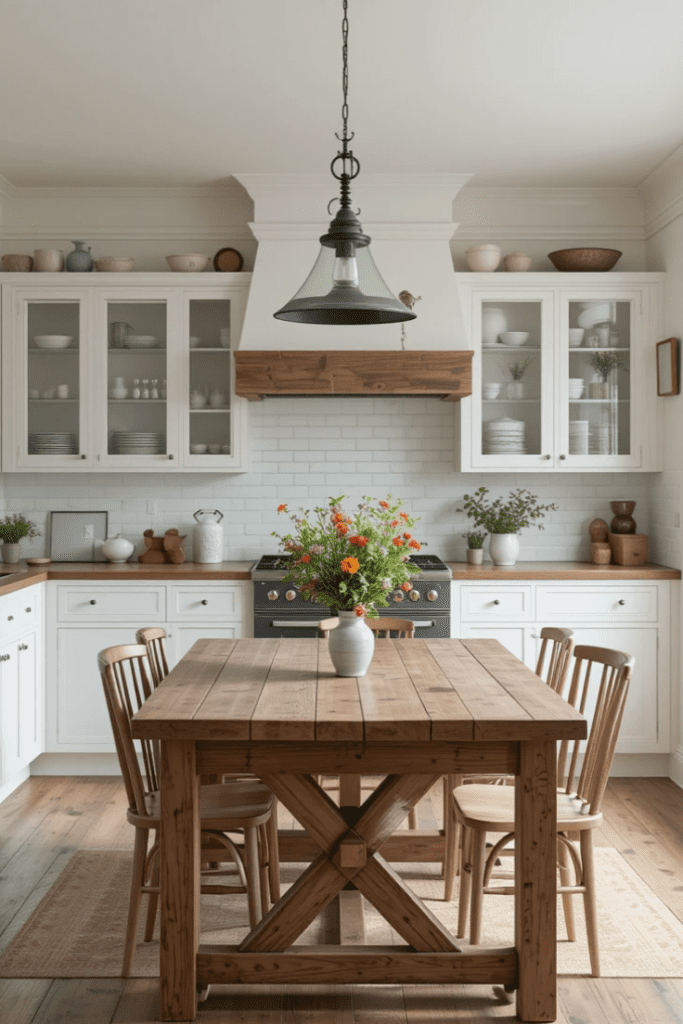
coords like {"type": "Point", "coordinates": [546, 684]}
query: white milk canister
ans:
{"type": "Point", "coordinates": [493, 323]}
{"type": "Point", "coordinates": [207, 540]}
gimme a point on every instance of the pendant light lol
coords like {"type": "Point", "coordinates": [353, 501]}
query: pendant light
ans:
{"type": "Point", "coordinates": [344, 287]}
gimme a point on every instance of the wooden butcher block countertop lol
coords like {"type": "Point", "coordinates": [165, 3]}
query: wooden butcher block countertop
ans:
{"type": "Point", "coordinates": [462, 572]}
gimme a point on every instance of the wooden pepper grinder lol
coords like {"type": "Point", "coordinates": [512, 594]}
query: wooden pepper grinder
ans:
{"type": "Point", "coordinates": [601, 553]}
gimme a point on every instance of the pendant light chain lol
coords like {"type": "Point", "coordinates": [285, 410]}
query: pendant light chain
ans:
{"type": "Point", "coordinates": [350, 166]}
{"type": "Point", "coordinates": [345, 72]}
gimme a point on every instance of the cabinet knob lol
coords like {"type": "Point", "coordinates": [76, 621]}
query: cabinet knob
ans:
{"type": "Point", "coordinates": [622, 601]}
{"type": "Point", "coordinates": [23, 647]}
{"type": "Point", "coordinates": [547, 457]}
{"type": "Point", "coordinates": [29, 610]}
{"type": "Point", "coordinates": [562, 458]}
{"type": "Point", "coordinates": [10, 618]}
{"type": "Point", "coordinates": [93, 601]}
{"type": "Point", "coordinates": [82, 456]}
{"type": "Point", "coordinates": [495, 601]}
{"type": "Point", "coordinates": [5, 657]}
{"type": "Point", "coordinates": [205, 601]}
{"type": "Point", "coordinates": [170, 456]}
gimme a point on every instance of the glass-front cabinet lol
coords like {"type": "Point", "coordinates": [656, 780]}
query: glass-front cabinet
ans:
{"type": "Point", "coordinates": [130, 375]}
{"type": "Point", "coordinates": [563, 371]}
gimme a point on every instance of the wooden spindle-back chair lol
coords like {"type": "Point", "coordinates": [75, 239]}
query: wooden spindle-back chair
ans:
{"type": "Point", "coordinates": [127, 681]}
{"type": "Point", "coordinates": [482, 809]}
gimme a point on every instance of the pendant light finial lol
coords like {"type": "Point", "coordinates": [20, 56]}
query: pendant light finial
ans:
{"type": "Point", "coordinates": [344, 287]}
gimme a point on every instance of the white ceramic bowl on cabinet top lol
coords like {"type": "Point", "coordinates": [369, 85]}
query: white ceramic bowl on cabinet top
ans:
{"type": "Point", "coordinates": [483, 258]}
{"type": "Point", "coordinates": [188, 261]}
{"type": "Point", "coordinates": [114, 264]}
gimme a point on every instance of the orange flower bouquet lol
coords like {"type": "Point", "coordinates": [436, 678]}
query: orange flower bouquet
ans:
{"type": "Point", "coordinates": [350, 562]}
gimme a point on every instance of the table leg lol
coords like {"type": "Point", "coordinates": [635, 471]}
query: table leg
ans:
{"type": "Point", "coordinates": [179, 880]}
{"type": "Point", "coordinates": [535, 881]}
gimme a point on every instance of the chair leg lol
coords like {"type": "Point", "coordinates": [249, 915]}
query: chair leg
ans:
{"type": "Point", "coordinates": [273, 855]}
{"type": "Point", "coordinates": [589, 901]}
{"type": "Point", "coordinates": [153, 898]}
{"type": "Point", "coordinates": [451, 830]}
{"type": "Point", "coordinates": [136, 883]}
{"type": "Point", "coordinates": [478, 858]}
{"type": "Point", "coordinates": [412, 819]}
{"type": "Point", "coordinates": [264, 855]}
{"type": "Point", "coordinates": [566, 879]}
{"type": "Point", "coordinates": [251, 857]}
{"type": "Point", "coordinates": [465, 882]}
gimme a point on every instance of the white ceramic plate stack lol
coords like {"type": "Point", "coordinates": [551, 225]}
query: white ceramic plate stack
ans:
{"type": "Point", "coordinates": [504, 436]}
{"type": "Point", "coordinates": [593, 313]}
{"type": "Point", "coordinates": [578, 437]}
{"type": "Point", "coordinates": [575, 388]}
{"type": "Point", "coordinates": [133, 442]}
{"type": "Point", "coordinates": [52, 443]}
{"type": "Point", "coordinates": [600, 439]}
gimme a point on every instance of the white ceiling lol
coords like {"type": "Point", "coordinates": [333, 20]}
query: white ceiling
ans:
{"type": "Point", "coordinates": [171, 92]}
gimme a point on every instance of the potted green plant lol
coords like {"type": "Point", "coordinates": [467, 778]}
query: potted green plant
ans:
{"type": "Point", "coordinates": [515, 388]}
{"type": "Point", "coordinates": [475, 546]}
{"type": "Point", "coordinates": [12, 529]}
{"type": "Point", "coordinates": [603, 363]}
{"type": "Point", "coordinates": [504, 519]}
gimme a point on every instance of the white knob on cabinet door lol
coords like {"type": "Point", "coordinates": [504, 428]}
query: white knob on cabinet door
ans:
{"type": "Point", "coordinates": [290, 595]}
{"type": "Point", "coordinates": [273, 595]}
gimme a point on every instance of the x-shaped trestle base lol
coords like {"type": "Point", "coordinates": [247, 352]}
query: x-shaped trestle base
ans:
{"type": "Point", "coordinates": [349, 853]}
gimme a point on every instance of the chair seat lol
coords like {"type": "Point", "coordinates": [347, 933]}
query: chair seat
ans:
{"type": "Point", "coordinates": [493, 808]}
{"type": "Point", "coordinates": [220, 807]}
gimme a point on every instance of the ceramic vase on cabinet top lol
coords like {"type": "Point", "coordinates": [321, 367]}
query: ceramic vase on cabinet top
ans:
{"type": "Point", "coordinates": [623, 521]}
{"type": "Point", "coordinates": [79, 259]}
{"type": "Point", "coordinates": [207, 538]}
{"type": "Point", "coordinates": [48, 260]}
{"type": "Point", "coordinates": [351, 645]}
{"type": "Point", "coordinates": [117, 549]}
{"type": "Point", "coordinates": [493, 323]}
{"type": "Point", "coordinates": [503, 548]}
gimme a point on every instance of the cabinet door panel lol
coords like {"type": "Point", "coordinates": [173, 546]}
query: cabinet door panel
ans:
{"type": "Point", "coordinates": [181, 638]}
{"type": "Point", "coordinates": [516, 639]}
{"type": "Point", "coordinates": [9, 727]}
{"type": "Point", "coordinates": [30, 699]}
{"type": "Point", "coordinates": [205, 603]}
{"type": "Point", "coordinates": [81, 717]}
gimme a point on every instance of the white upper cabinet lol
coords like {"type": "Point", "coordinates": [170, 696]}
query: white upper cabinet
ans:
{"type": "Point", "coordinates": [563, 371]}
{"type": "Point", "coordinates": [122, 372]}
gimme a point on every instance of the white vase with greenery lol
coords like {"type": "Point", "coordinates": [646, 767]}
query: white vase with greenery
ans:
{"type": "Point", "coordinates": [504, 519]}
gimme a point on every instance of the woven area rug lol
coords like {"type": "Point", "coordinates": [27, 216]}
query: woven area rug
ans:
{"type": "Point", "coordinates": [77, 930]}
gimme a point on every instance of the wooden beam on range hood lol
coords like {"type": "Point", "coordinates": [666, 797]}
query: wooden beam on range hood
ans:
{"type": "Point", "coordinates": [442, 374]}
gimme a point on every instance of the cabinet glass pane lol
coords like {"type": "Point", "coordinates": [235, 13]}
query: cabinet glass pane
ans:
{"type": "Point", "coordinates": [137, 372]}
{"type": "Point", "coordinates": [210, 377]}
{"type": "Point", "coordinates": [599, 381]}
{"type": "Point", "coordinates": [511, 378]}
{"type": "Point", "coordinates": [52, 379]}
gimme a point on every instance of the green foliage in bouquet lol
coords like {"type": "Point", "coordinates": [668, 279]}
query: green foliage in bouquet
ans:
{"type": "Point", "coordinates": [521, 509]}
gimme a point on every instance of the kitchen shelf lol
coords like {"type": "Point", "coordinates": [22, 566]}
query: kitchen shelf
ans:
{"type": "Point", "coordinates": [517, 401]}
{"type": "Point", "coordinates": [599, 401]}
{"type": "Point", "coordinates": [53, 351]}
{"type": "Point", "coordinates": [134, 351]}
{"type": "Point", "coordinates": [620, 348]}
{"type": "Point", "coordinates": [514, 348]}
{"type": "Point", "coordinates": [223, 408]}
{"type": "Point", "coordinates": [137, 401]}
{"type": "Point", "coordinates": [55, 401]}
{"type": "Point", "coordinates": [205, 348]}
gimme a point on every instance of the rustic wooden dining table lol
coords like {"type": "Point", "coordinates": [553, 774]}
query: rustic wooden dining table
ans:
{"type": "Point", "coordinates": [426, 708]}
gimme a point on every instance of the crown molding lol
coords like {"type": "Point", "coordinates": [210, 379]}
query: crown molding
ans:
{"type": "Point", "coordinates": [92, 231]}
{"type": "Point", "coordinates": [295, 231]}
{"type": "Point", "coordinates": [551, 195]}
{"type": "Point", "coordinates": [602, 232]}
{"type": "Point", "coordinates": [117, 191]}
{"type": "Point", "coordinates": [278, 184]}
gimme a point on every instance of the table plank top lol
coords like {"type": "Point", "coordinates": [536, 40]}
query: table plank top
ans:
{"type": "Point", "coordinates": [421, 691]}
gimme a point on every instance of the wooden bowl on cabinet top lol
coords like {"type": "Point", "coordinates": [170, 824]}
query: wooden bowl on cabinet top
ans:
{"type": "Point", "coordinates": [584, 259]}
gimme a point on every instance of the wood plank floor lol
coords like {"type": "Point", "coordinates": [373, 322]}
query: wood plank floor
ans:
{"type": "Point", "coordinates": [48, 819]}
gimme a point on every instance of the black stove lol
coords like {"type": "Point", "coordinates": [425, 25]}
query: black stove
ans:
{"type": "Point", "coordinates": [281, 611]}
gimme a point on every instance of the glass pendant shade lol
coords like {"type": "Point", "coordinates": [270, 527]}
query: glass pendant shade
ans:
{"type": "Point", "coordinates": [345, 290]}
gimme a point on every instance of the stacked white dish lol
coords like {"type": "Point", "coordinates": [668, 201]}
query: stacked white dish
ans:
{"type": "Point", "coordinates": [593, 313]}
{"type": "Point", "coordinates": [575, 388]}
{"type": "Point", "coordinates": [578, 437]}
{"type": "Point", "coordinates": [600, 440]}
{"type": "Point", "coordinates": [504, 436]}
{"type": "Point", "coordinates": [52, 443]}
{"type": "Point", "coordinates": [141, 341]}
{"type": "Point", "coordinates": [135, 442]}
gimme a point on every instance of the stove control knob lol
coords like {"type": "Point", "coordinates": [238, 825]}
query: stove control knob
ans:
{"type": "Point", "coordinates": [273, 595]}
{"type": "Point", "coordinates": [432, 595]}
{"type": "Point", "coordinates": [290, 595]}
{"type": "Point", "coordinates": [414, 595]}
{"type": "Point", "coordinates": [397, 596]}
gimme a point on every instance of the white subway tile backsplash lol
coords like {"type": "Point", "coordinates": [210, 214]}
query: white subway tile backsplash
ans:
{"type": "Point", "coordinates": [304, 451]}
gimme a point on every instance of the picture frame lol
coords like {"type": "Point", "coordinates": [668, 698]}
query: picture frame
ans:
{"type": "Point", "coordinates": [78, 536]}
{"type": "Point", "coordinates": [667, 367]}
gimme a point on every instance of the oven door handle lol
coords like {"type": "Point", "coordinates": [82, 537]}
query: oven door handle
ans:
{"type": "Point", "coordinates": [295, 624]}
{"type": "Point", "coordinates": [420, 624]}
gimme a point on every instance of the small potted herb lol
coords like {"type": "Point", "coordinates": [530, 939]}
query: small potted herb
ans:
{"type": "Point", "coordinates": [504, 519]}
{"type": "Point", "coordinates": [517, 370]}
{"type": "Point", "coordinates": [12, 529]}
{"type": "Point", "coordinates": [475, 546]}
{"type": "Point", "coordinates": [603, 363]}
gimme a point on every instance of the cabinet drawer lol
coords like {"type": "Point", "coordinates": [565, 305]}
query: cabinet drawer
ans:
{"type": "Point", "coordinates": [489, 603]}
{"type": "Point", "coordinates": [613, 603]}
{"type": "Point", "coordinates": [19, 611]}
{"type": "Point", "coordinates": [140, 605]}
{"type": "Point", "coordinates": [206, 604]}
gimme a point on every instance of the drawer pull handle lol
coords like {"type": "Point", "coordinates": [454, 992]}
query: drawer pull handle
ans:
{"type": "Point", "coordinates": [93, 601]}
{"type": "Point", "coordinates": [622, 601]}
{"type": "Point", "coordinates": [205, 601]}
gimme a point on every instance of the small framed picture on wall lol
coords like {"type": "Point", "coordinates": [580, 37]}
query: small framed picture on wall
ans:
{"type": "Point", "coordinates": [667, 367]}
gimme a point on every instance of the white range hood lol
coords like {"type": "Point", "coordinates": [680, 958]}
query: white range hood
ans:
{"type": "Point", "coordinates": [408, 217]}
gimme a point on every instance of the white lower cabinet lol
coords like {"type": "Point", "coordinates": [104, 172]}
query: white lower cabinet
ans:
{"type": "Point", "coordinates": [84, 618]}
{"type": "Point", "coordinates": [21, 685]}
{"type": "Point", "coordinates": [633, 616]}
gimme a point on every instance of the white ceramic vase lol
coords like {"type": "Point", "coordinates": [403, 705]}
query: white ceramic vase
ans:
{"type": "Point", "coordinates": [351, 645]}
{"type": "Point", "coordinates": [503, 548]}
{"type": "Point", "coordinates": [516, 389]}
{"type": "Point", "coordinates": [117, 549]}
{"type": "Point", "coordinates": [493, 323]}
{"type": "Point", "coordinates": [475, 556]}
{"type": "Point", "coordinates": [11, 553]}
